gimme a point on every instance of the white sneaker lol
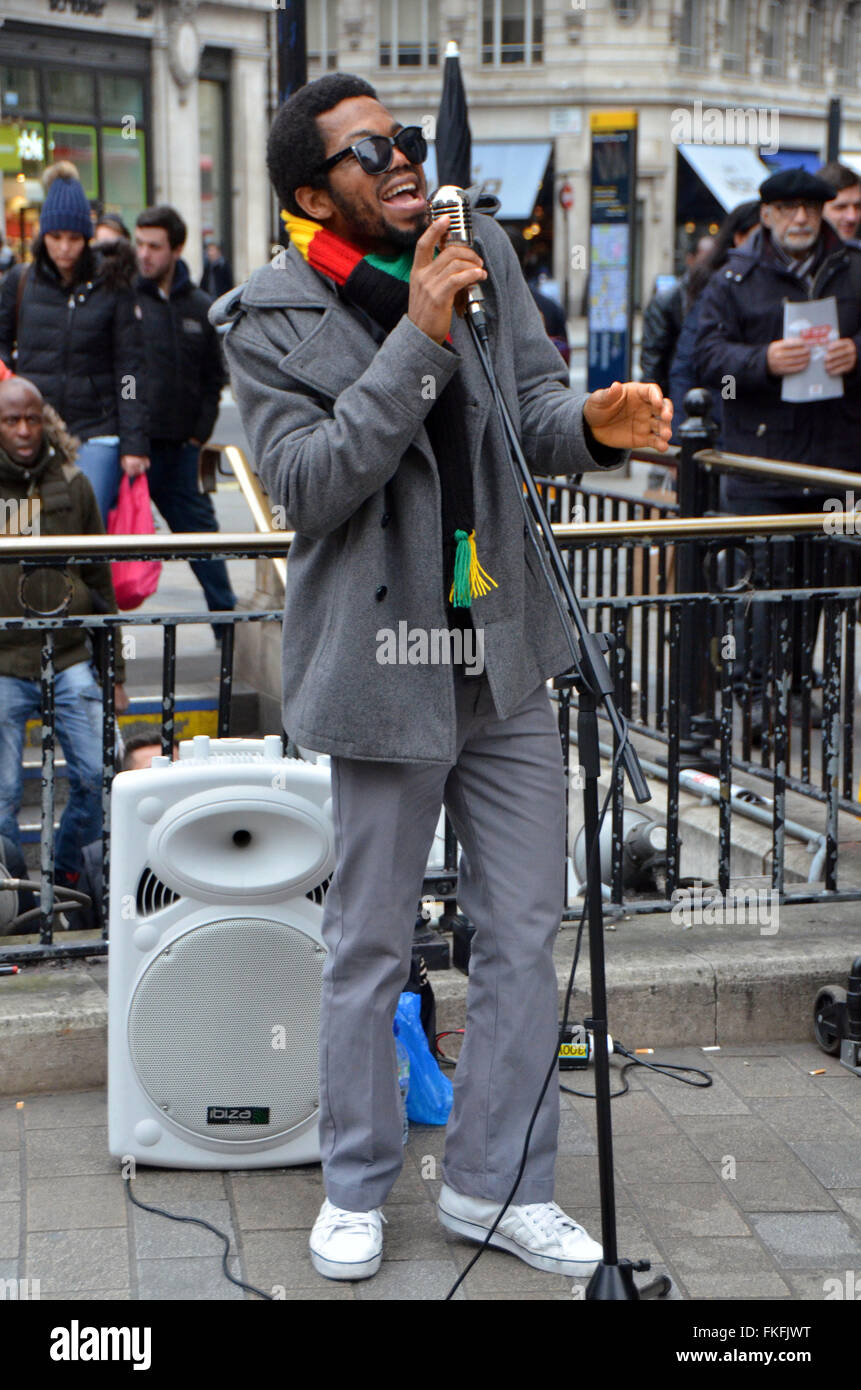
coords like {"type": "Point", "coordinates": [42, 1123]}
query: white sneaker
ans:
{"type": "Point", "coordinates": [347, 1244]}
{"type": "Point", "coordinates": [540, 1233]}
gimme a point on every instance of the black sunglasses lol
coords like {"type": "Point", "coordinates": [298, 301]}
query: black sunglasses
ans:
{"type": "Point", "coordinates": [375, 152]}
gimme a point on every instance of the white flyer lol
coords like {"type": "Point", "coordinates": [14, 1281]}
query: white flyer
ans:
{"type": "Point", "coordinates": [815, 322]}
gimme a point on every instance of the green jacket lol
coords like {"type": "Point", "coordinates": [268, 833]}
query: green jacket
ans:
{"type": "Point", "coordinates": [52, 498]}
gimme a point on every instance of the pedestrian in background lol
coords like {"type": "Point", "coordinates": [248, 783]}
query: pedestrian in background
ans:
{"type": "Point", "coordinates": [41, 487]}
{"type": "Point", "coordinates": [843, 212]}
{"type": "Point", "coordinates": [110, 228]}
{"type": "Point", "coordinates": [217, 277]}
{"type": "Point", "coordinates": [69, 323]}
{"type": "Point", "coordinates": [663, 319]}
{"type": "Point", "coordinates": [184, 377]}
{"type": "Point", "coordinates": [794, 256]}
{"type": "Point", "coordinates": [7, 258]}
{"type": "Point", "coordinates": [735, 229]}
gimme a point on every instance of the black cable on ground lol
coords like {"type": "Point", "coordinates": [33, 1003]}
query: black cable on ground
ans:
{"type": "Point", "coordinates": [198, 1221]}
{"type": "Point", "coordinates": [663, 1068]}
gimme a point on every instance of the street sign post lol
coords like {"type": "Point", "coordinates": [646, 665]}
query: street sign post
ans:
{"type": "Point", "coordinates": [611, 246]}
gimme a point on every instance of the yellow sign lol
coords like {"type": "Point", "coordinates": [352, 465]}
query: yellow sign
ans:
{"type": "Point", "coordinates": [612, 120]}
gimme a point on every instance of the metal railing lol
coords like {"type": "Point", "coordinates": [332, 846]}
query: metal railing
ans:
{"type": "Point", "coordinates": [680, 711]}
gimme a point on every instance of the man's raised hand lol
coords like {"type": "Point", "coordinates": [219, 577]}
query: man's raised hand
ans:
{"type": "Point", "coordinates": [630, 415]}
{"type": "Point", "coordinates": [436, 281]}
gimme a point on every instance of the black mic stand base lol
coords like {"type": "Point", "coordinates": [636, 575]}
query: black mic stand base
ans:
{"type": "Point", "coordinates": [615, 1283]}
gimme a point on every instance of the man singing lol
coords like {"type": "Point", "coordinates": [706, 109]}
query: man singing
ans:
{"type": "Point", "coordinates": [373, 426]}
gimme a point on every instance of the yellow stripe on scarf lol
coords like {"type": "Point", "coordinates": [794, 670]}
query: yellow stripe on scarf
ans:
{"type": "Point", "coordinates": [302, 231]}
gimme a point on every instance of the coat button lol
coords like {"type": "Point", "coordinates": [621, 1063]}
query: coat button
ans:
{"type": "Point", "coordinates": [381, 593]}
{"type": "Point", "coordinates": [385, 519]}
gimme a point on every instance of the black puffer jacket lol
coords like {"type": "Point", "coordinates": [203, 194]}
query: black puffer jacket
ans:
{"type": "Point", "coordinates": [81, 346]}
{"type": "Point", "coordinates": [184, 373]}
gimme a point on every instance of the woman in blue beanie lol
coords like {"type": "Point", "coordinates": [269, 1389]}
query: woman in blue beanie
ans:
{"type": "Point", "coordinates": [70, 324]}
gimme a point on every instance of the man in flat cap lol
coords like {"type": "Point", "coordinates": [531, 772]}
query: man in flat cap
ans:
{"type": "Point", "coordinates": [795, 255]}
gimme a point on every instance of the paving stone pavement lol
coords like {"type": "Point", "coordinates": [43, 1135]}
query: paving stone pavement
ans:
{"type": "Point", "coordinates": [748, 1190]}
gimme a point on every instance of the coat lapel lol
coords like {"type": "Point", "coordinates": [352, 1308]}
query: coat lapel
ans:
{"type": "Point", "coordinates": [338, 348]}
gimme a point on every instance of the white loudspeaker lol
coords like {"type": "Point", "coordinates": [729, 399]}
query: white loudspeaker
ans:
{"type": "Point", "coordinates": [218, 867]}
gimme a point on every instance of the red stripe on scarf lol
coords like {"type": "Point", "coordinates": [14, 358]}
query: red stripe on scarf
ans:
{"type": "Point", "coordinates": [333, 256]}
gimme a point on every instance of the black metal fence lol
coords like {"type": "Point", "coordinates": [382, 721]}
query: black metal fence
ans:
{"type": "Point", "coordinates": [681, 598]}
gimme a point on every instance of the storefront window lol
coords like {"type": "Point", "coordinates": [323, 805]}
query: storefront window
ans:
{"type": "Point", "coordinates": [71, 93]}
{"type": "Point", "coordinates": [121, 98]}
{"type": "Point", "coordinates": [22, 159]}
{"type": "Point", "coordinates": [123, 172]}
{"type": "Point", "coordinates": [19, 89]}
{"type": "Point", "coordinates": [77, 143]}
{"type": "Point", "coordinates": [90, 110]}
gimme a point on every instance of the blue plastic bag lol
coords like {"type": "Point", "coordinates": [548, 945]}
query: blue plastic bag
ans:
{"type": "Point", "coordinates": [430, 1093]}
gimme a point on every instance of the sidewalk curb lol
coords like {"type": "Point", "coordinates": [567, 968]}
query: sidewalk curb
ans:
{"type": "Point", "coordinates": [666, 987]}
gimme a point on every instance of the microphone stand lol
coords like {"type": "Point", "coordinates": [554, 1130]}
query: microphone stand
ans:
{"type": "Point", "coordinates": [613, 1279]}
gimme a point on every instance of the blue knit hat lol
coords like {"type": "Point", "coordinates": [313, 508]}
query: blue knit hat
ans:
{"type": "Point", "coordinates": [66, 209]}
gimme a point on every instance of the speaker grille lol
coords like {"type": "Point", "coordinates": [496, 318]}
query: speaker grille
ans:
{"type": "Point", "coordinates": [228, 1016]}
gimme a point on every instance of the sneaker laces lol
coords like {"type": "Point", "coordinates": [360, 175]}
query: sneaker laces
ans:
{"type": "Point", "coordinates": [551, 1220]}
{"type": "Point", "coordinates": [361, 1222]}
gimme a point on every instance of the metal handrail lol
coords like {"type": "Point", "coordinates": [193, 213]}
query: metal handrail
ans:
{"type": "Point", "coordinates": [816, 478]}
{"type": "Point", "coordinates": [182, 545]}
{"type": "Point", "coordinates": [780, 470]}
{"type": "Point", "coordinates": [258, 501]}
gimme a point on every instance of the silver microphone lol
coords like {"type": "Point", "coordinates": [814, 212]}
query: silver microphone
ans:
{"type": "Point", "coordinates": [453, 203]}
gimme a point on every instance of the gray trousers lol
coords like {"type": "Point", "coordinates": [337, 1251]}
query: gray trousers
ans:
{"type": "Point", "coordinates": [505, 796]}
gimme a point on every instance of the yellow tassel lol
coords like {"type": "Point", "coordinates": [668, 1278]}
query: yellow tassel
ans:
{"type": "Point", "coordinates": [480, 582]}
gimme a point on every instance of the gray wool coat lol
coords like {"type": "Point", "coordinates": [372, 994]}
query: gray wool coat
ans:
{"type": "Point", "coordinates": [335, 421]}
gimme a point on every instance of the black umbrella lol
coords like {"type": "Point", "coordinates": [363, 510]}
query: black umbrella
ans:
{"type": "Point", "coordinates": [453, 140]}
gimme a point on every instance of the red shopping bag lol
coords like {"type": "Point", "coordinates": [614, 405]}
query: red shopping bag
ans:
{"type": "Point", "coordinates": [134, 580]}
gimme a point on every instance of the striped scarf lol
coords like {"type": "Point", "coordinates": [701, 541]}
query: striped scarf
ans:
{"type": "Point", "coordinates": [378, 285]}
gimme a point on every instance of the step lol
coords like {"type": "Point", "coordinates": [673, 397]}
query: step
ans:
{"type": "Point", "coordinates": [709, 986]}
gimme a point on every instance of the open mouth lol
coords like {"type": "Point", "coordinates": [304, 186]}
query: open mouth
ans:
{"type": "Point", "coordinates": [405, 194]}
